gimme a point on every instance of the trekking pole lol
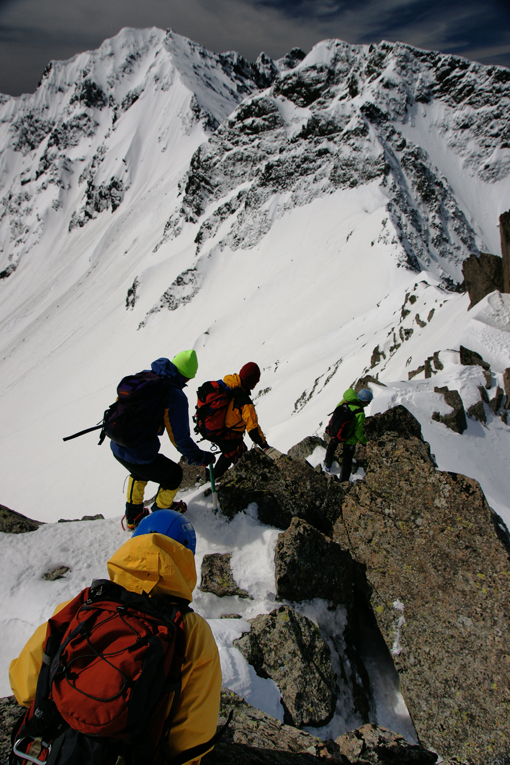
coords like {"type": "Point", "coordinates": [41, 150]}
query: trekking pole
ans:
{"type": "Point", "coordinates": [216, 505]}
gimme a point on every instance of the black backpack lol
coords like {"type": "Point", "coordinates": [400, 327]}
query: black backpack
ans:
{"type": "Point", "coordinates": [339, 425]}
{"type": "Point", "coordinates": [138, 413]}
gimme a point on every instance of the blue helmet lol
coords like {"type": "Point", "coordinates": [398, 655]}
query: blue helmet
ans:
{"type": "Point", "coordinates": [170, 523]}
{"type": "Point", "coordinates": [365, 396]}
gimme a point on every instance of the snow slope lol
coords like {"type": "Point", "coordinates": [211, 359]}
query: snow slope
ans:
{"type": "Point", "coordinates": [157, 197]}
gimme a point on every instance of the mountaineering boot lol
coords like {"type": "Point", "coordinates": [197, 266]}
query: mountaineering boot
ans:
{"type": "Point", "coordinates": [179, 507]}
{"type": "Point", "coordinates": [134, 514]}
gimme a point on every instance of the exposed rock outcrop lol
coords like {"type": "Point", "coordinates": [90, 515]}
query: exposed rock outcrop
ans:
{"type": "Point", "coordinates": [440, 592]}
{"type": "Point", "coordinates": [254, 738]}
{"type": "Point", "coordinates": [12, 522]}
{"type": "Point", "coordinates": [455, 420]}
{"type": "Point", "coordinates": [217, 576]}
{"type": "Point", "coordinates": [287, 647]}
{"type": "Point", "coordinates": [430, 560]}
{"type": "Point", "coordinates": [283, 491]}
{"type": "Point", "coordinates": [482, 275]}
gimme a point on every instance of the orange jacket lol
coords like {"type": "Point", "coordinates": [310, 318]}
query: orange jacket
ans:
{"type": "Point", "coordinates": [156, 564]}
{"type": "Point", "coordinates": [241, 414]}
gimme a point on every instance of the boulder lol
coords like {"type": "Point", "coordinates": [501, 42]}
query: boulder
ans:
{"type": "Point", "coordinates": [308, 565]}
{"type": "Point", "coordinates": [472, 358]}
{"type": "Point", "coordinates": [10, 712]}
{"type": "Point", "coordinates": [287, 647]}
{"type": "Point", "coordinates": [440, 591]}
{"type": "Point", "coordinates": [283, 490]}
{"type": "Point", "coordinates": [217, 576]}
{"type": "Point", "coordinates": [396, 420]}
{"type": "Point", "coordinates": [299, 575]}
{"type": "Point", "coordinates": [58, 572]}
{"type": "Point", "coordinates": [306, 447]}
{"type": "Point", "coordinates": [506, 385]}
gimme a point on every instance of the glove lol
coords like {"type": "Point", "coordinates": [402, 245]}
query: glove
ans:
{"type": "Point", "coordinates": [272, 452]}
{"type": "Point", "coordinates": [208, 459]}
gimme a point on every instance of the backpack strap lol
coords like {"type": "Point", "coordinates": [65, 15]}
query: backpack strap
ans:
{"type": "Point", "coordinates": [195, 751]}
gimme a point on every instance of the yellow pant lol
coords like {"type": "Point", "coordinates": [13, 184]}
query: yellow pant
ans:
{"type": "Point", "coordinates": [135, 492]}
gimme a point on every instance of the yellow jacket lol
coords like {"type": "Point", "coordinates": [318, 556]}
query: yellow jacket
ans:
{"type": "Point", "coordinates": [241, 414]}
{"type": "Point", "coordinates": [156, 564]}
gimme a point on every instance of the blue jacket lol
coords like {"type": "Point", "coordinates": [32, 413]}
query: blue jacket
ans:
{"type": "Point", "coordinates": [176, 423]}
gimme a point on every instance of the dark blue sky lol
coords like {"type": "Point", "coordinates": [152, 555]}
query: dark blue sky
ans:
{"type": "Point", "coordinates": [33, 32]}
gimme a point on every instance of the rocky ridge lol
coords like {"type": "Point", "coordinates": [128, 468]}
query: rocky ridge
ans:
{"type": "Point", "coordinates": [423, 563]}
{"type": "Point", "coordinates": [412, 586]}
{"type": "Point", "coordinates": [339, 121]}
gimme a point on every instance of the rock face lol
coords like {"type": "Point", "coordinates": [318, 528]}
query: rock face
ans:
{"type": "Point", "coordinates": [482, 275]}
{"type": "Point", "coordinates": [440, 592]}
{"type": "Point", "coordinates": [283, 491]}
{"type": "Point", "coordinates": [426, 557]}
{"type": "Point", "coordinates": [287, 647]}
{"type": "Point", "coordinates": [254, 738]}
{"type": "Point", "coordinates": [298, 577]}
{"type": "Point", "coordinates": [373, 744]}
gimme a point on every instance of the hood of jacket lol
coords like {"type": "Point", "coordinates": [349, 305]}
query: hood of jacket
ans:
{"type": "Point", "coordinates": [351, 397]}
{"type": "Point", "coordinates": [233, 381]}
{"type": "Point", "coordinates": [155, 564]}
{"type": "Point", "coordinates": [165, 368]}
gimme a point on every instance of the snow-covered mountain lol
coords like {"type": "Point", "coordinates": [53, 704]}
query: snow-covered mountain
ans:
{"type": "Point", "coordinates": [311, 214]}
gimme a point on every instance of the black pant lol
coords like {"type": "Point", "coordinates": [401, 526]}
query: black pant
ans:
{"type": "Point", "coordinates": [348, 454]}
{"type": "Point", "coordinates": [231, 451]}
{"type": "Point", "coordinates": [162, 470]}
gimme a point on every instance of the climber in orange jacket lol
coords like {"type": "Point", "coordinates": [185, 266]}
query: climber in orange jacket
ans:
{"type": "Point", "coordinates": [241, 417]}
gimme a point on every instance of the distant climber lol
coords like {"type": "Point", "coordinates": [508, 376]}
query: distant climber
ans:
{"type": "Point", "coordinates": [225, 411]}
{"type": "Point", "coordinates": [148, 691]}
{"type": "Point", "coordinates": [346, 426]}
{"type": "Point", "coordinates": [143, 460]}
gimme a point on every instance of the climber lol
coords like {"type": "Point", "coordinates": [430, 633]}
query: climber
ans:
{"type": "Point", "coordinates": [240, 416]}
{"type": "Point", "coordinates": [157, 561]}
{"type": "Point", "coordinates": [144, 461]}
{"type": "Point", "coordinates": [346, 426]}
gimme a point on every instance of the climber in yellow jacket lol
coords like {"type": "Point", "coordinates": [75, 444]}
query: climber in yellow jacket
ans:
{"type": "Point", "coordinates": [240, 417]}
{"type": "Point", "coordinates": [158, 560]}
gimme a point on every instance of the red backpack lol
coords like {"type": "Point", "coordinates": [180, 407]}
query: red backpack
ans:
{"type": "Point", "coordinates": [213, 399]}
{"type": "Point", "coordinates": [112, 659]}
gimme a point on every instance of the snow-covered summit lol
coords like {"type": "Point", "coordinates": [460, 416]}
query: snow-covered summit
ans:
{"type": "Point", "coordinates": [347, 116]}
